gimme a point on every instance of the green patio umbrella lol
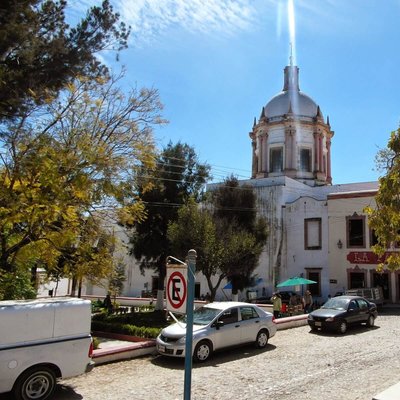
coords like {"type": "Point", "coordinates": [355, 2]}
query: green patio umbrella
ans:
{"type": "Point", "coordinates": [296, 281]}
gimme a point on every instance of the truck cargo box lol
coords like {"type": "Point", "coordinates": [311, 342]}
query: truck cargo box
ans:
{"type": "Point", "coordinates": [42, 340]}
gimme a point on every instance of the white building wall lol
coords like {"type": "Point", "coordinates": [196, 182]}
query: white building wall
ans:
{"type": "Point", "coordinates": [338, 209]}
{"type": "Point", "coordinates": [299, 259]}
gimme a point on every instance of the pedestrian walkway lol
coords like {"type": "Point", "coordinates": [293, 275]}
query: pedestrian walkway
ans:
{"type": "Point", "coordinates": [111, 349]}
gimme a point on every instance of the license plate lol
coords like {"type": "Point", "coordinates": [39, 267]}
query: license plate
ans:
{"type": "Point", "coordinates": [161, 348]}
{"type": "Point", "coordinates": [318, 324]}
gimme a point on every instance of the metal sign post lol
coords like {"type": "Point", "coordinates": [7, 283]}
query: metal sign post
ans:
{"type": "Point", "coordinates": [191, 261]}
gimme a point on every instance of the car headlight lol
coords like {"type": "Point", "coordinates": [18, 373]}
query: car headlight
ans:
{"type": "Point", "coordinates": [182, 340]}
{"type": "Point", "coordinates": [330, 319]}
{"type": "Point", "coordinates": [310, 317]}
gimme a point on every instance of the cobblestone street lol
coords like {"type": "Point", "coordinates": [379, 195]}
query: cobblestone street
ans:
{"type": "Point", "coordinates": [296, 364]}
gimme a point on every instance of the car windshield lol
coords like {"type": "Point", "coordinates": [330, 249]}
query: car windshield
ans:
{"type": "Point", "coordinates": [204, 315]}
{"type": "Point", "coordinates": [336, 304]}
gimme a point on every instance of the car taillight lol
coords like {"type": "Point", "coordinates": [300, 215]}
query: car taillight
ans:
{"type": "Point", "coordinates": [273, 320]}
{"type": "Point", "coordinates": [90, 349]}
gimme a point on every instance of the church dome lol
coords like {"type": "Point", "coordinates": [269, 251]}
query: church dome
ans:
{"type": "Point", "coordinates": [291, 99]}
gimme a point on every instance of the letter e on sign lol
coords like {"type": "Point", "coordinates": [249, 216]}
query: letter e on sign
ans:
{"type": "Point", "coordinates": [176, 288]}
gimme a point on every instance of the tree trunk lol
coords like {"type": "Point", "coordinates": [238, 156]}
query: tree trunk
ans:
{"type": "Point", "coordinates": [160, 300]}
{"type": "Point", "coordinates": [73, 286]}
{"type": "Point", "coordinates": [161, 278]}
{"type": "Point", "coordinates": [80, 288]}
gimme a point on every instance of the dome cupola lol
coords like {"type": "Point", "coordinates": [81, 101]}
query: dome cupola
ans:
{"type": "Point", "coordinates": [291, 137]}
{"type": "Point", "coordinates": [291, 100]}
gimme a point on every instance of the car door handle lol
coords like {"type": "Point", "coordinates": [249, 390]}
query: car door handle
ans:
{"type": "Point", "coordinates": [257, 322]}
{"type": "Point", "coordinates": [237, 326]}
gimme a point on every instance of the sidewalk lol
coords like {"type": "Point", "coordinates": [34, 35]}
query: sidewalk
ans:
{"type": "Point", "coordinates": [112, 349]}
{"type": "Point", "coordinates": [392, 393]}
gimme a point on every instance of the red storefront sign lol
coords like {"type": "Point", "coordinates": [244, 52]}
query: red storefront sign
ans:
{"type": "Point", "coordinates": [366, 257]}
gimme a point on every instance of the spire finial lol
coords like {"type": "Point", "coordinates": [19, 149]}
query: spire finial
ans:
{"type": "Point", "coordinates": [291, 55]}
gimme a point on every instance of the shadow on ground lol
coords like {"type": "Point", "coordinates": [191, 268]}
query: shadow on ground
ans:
{"type": "Point", "coordinates": [62, 392]}
{"type": "Point", "coordinates": [217, 358]}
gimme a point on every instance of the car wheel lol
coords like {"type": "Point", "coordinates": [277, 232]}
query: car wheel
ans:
{"type": "Point", "coordinates": [262, 339]}
{"type": "Point", "coordinates": [37, 383]}
{"type": "Point", "coordinates": [202, 351]}
{"type": "Point", "coordinates": [342, 327]}
{"type": "Point", "coordinates": [371, 321]}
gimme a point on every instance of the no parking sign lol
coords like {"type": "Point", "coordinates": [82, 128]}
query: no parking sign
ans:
{"type": "Point", "coordinates": [176, 288]}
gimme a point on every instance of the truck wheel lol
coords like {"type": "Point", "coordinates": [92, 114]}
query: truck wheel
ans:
{"type": "Point", "coordinates": [37, 383]}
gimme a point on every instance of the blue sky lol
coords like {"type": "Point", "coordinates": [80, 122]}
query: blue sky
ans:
{"type": "Point", "coordinates": [216, 63]}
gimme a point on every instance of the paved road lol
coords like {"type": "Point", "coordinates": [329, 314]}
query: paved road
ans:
{"type": "Point", "coordinates": [296, 364]}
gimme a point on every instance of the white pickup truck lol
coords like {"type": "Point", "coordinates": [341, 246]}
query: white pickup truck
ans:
{"type": "Point", "coordinates": [40, 341]}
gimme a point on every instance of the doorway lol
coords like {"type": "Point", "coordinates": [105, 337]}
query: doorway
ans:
{"type": "Point", "coordinates": [382, 280]}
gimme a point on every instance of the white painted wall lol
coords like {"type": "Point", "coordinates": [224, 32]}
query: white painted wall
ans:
{"type": "Point", "coordinates": [298, 259]}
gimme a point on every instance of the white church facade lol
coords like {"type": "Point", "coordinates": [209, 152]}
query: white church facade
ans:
{"type": "Point", "coordinates": [314, 226]}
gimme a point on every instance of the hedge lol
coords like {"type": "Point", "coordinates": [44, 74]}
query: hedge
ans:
{"type": "Point", "coordinates": [127, 329]}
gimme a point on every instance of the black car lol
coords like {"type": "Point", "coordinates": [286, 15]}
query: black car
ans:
{"type": "Point", "coordinates": [340, 312]}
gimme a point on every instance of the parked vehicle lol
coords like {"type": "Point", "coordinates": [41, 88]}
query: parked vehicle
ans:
{"type": "Point", "coordinates": [218, 325]}
{"type": "Point", "coordinates": [374, 295]}
{"type": "Point", "coordinates": [40, 341]}
{"type": "Point", "coordinates": [341, 311]}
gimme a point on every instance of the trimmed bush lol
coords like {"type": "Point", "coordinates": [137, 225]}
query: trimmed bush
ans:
{"type": "Point", "coordinates": [151, 319]}
{"type": "Point", "coordinates": [127, 329]}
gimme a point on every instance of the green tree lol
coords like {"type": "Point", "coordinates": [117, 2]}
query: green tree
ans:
{"type": "Point", "coordinates": [195, 228]}
{"type": "Point", "coordinates": [384, 219]}
{"type": "Point", "coordinates": [40, 52]}
{"type": "Point", "coordinates": [235, 211]}
{"type": "Point", "coordinates": [227, 235]}
{"type": "Point", "coordinates": [178, 176]}
{"type": "Point", "coordinates": [17, 285]}
{"type": "Point", "coordinates": [116, 280]}
{"type": "Point", "coordinates": [68, 159]}
{"type": "Point", "coordinates": [90, 257]}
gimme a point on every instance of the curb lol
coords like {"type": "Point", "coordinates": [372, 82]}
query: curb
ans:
{"type": "Point", "coordinates": [123, 352]}
{"type": "Point", "coordinates": [291, 322]}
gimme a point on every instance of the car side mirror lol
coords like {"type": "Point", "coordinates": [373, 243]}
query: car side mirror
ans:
{"type": "Point", "coordinates": [218, 324]}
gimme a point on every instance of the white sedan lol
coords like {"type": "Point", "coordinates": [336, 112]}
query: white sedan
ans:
{"type": "Point", "coordinates": [218, 325]}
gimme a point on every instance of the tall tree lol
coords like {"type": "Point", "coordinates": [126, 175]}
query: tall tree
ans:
{"type": "Point", "coordinates": [178, 176]}
{"type": "Point", "coordinates": [384, 219]}
{"type": "Point", "coordinates": [236, 215]}
{"type": "Point", "coordinates": [195, 228]}
{"type": "Point", "coordinates": [227, 236]}
{"type": "Point", "coordinates": [68, 159]}
{"type": "Point", "coordinates": [40, 52]}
